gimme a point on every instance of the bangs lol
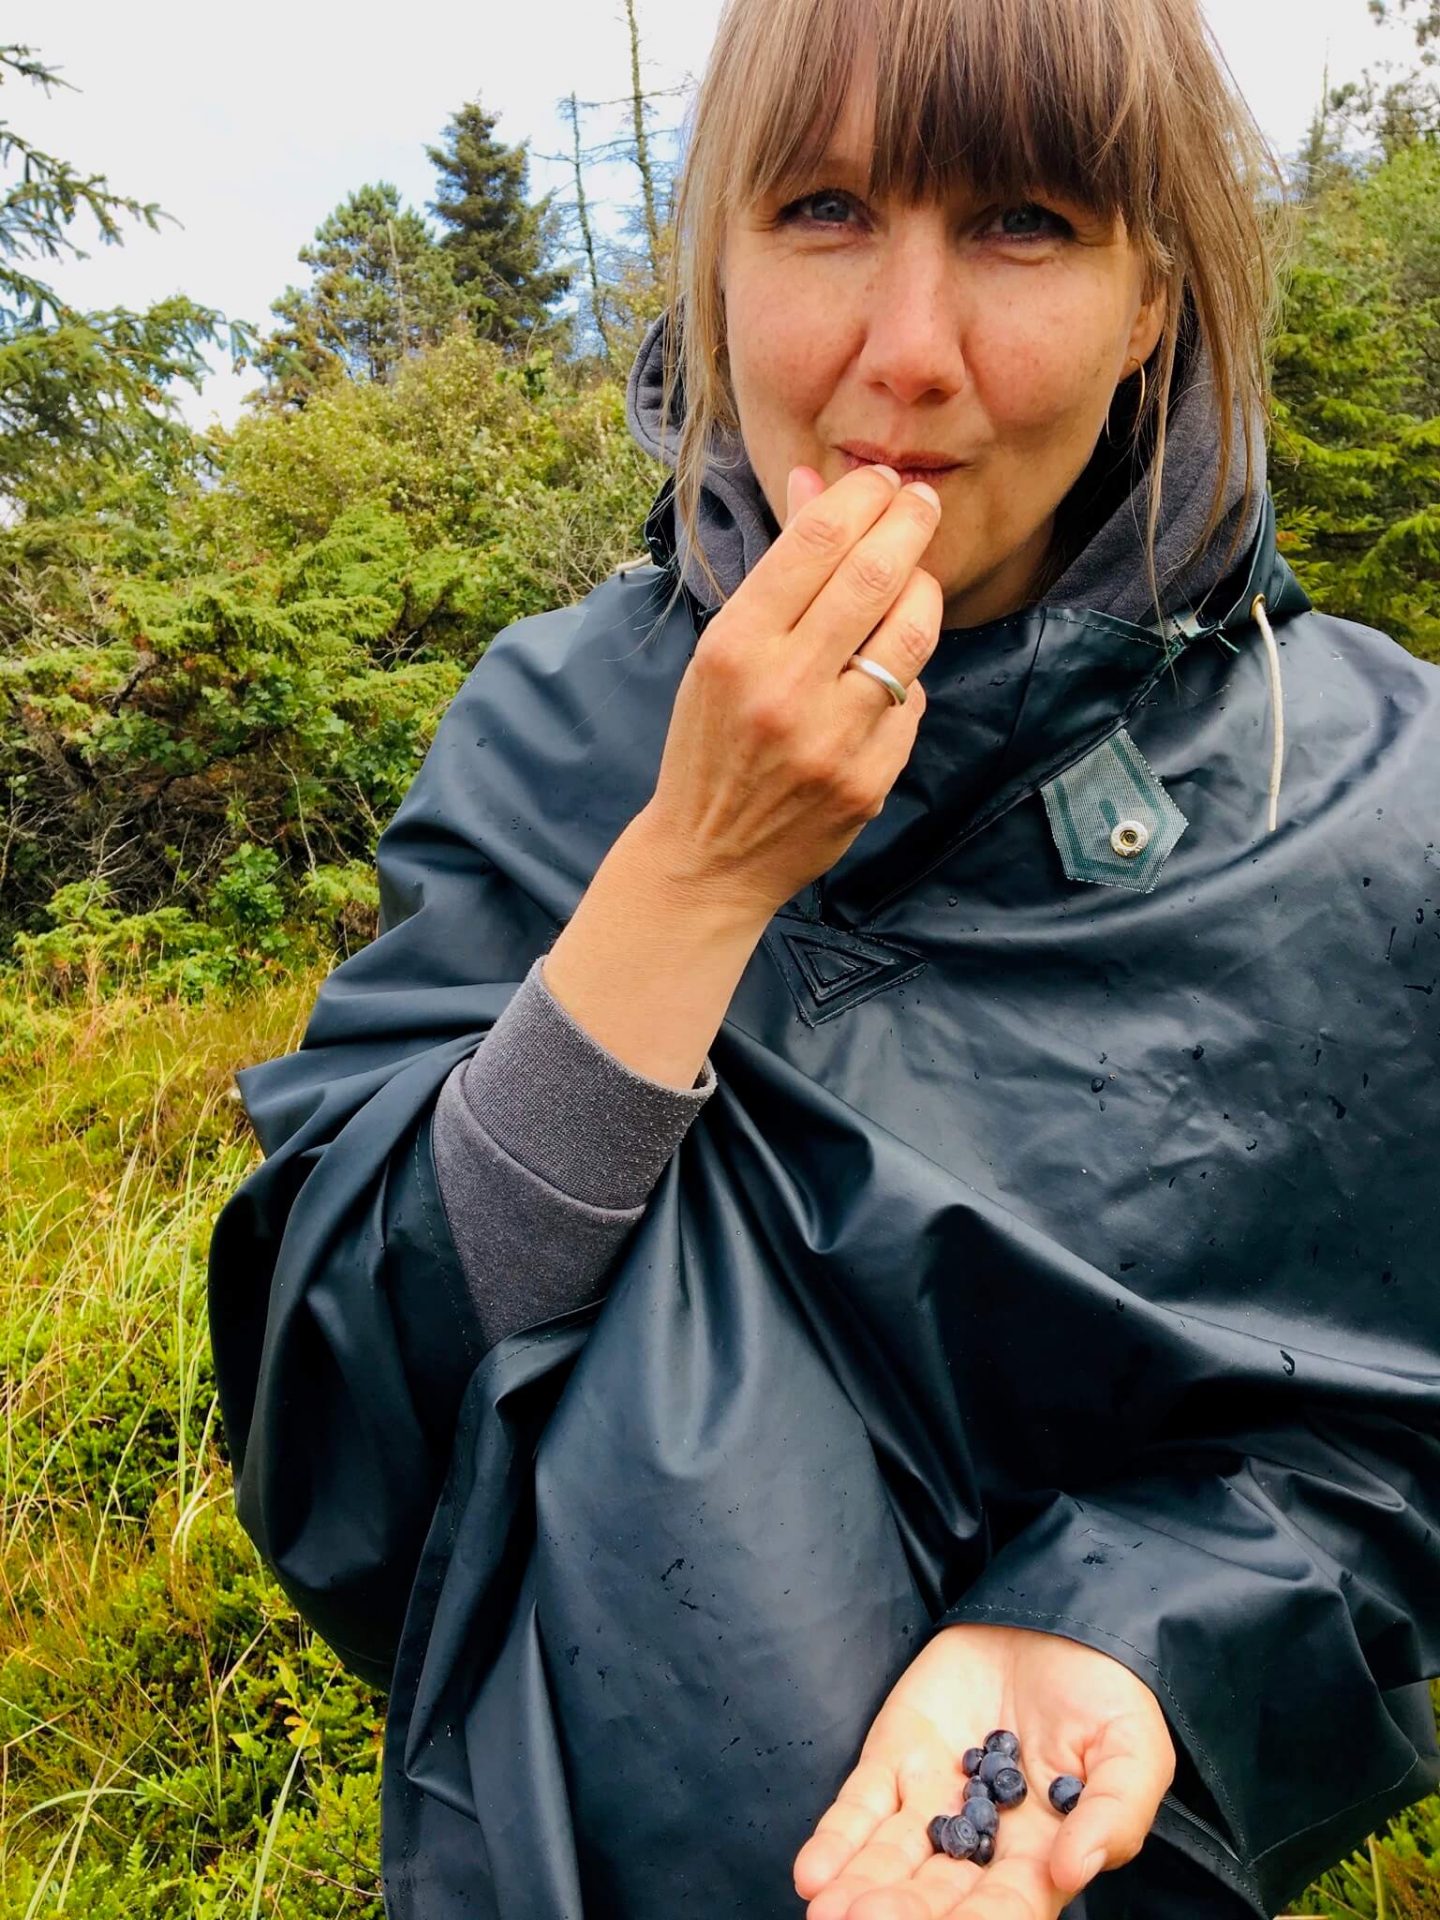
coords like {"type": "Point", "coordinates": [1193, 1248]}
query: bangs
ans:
{"type": "Point", "coordinates": [1124, 110]}
{"type": "Point", "coordinates": [1003, 98]}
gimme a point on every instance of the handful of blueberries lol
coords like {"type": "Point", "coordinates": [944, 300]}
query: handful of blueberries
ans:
{"type": "Point", "coordinates": [993, 1781]}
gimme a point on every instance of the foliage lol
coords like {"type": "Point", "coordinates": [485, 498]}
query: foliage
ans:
{"type": "Point", "coordinates": [1422, 15]}
{"type": "Point", "coordinates": [82, 387]}
{"type": "Point", "coordinates": [381, 288]}
{"type": "Point", "coordinates": [498, 242]}
{"type": "Point", "coordinates": [177, 1743]}
{"type": "Point", "coordinates": [1356, 448]}
{"type": "Point", "coordinates": [208, 715]}
{"type": "Point", "coordinates": [1395, 1877]}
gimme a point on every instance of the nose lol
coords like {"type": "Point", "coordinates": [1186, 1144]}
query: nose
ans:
{"type": "Point", "coordinates": [914, 329]}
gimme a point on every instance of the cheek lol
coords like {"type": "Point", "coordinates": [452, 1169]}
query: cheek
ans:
{"type": "Point", "coordinates": [1043, 367]}
{"type": "Point", "coordinates": [784, 346]}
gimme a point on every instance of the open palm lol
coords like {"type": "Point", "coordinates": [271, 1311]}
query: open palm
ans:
{"type": "Point", "coordinates": [1074, 1709]}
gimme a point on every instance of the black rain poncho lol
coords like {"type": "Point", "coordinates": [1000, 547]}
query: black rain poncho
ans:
{"type": "Point", "coordinates": [1057, 1249]}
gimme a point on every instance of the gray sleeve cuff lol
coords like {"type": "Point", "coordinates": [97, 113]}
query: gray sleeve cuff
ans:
{"type": "Point", "coordinates": [567, 1109]}
{"type": "Point", "coordinates": [528, 1251]}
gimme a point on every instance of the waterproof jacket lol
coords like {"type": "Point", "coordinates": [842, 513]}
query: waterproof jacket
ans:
{"type": "Point", "coordinates": [1058, 1249]}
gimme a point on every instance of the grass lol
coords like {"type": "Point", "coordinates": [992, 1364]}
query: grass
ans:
{"type": "Point", "coordinates": [174, 1743]}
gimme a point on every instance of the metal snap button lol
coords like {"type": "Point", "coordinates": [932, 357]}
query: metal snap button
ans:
{"type": "Point", "coordinates": [1129, 838]}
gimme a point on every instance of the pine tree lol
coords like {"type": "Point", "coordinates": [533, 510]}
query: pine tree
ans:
{"type": "Point", "coordinates": [1356, 453]}
{"type": "Point", "coordinates": [382, 289]}
{"type": "Point", "coordinates": [498, 243]}
{"type": "Point", "coordinates": [83, 395]}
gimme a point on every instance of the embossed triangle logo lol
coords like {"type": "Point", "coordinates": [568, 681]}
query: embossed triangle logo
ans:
{"type": "Point", "coordinates": [829, 969]}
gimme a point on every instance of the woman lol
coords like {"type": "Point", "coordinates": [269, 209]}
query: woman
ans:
{"type": "Point", "coordinates": [940, 1241]}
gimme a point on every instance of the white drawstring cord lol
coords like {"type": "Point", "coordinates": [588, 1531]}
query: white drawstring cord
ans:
{"type": "Point", "coordinates": [1277, 705]}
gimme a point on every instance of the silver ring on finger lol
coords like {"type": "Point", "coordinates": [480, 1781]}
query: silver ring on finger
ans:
{"type": "Point", "coordinates": [895, 688]}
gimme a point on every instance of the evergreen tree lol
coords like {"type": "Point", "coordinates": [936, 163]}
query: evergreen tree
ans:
{"type": "Point", "coordinates": [382, 289]}
{"type": "Point", "coordinates": [499, 244]}
{"type": "Point", "coordinates": [82, 395]}
{"type": "Point", "coordinates": [1356, 459]}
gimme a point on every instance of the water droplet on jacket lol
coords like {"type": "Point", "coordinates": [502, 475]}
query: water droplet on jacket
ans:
{"type": "Point", "coordinates": [1098, 1084]}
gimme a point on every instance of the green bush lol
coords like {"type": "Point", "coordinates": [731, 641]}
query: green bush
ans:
{"type": "Point", "coordinates": [260, 660]}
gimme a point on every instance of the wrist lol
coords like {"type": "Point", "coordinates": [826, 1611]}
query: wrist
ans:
{"type": "Point", "coordinates": [723, 908]}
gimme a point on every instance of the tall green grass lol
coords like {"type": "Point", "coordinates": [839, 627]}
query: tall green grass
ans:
{"type": "Point", "coordinates": [174, 1743]}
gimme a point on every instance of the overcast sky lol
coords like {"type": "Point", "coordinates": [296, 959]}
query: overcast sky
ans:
{"type": "Point", "coordinates": [249, 126]}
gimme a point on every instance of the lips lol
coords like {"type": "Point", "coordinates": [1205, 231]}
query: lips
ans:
{"type": "Point", "coordinates": [930, 466]}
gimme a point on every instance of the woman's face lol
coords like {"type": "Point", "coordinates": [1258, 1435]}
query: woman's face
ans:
{"type": "Point", "coordinates": [993, 336]}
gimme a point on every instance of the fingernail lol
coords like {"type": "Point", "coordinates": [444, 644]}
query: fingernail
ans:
{"type": "Point", "coordinates": [928, 492]}
{"type": "Point", "coordinates": [1092, 1865]}
{"type": "Point", "coordinates": [889, 473]}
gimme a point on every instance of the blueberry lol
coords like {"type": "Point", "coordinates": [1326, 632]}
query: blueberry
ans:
{"type": "Point", "coordinates": [992, 1764]}
{"type": "Point", "coordinates": [958, 1838]}
{"type": "Point", "coordinates": [1003, 1741]}
{"type": "Point", "coordinates": [935, 1832]}
{"type": "Point", "coordinates": [977, 1790]}
{"type": "Point", "coordinates": [983, 1815]}
{"type": "Point", "coordinates": [1065, 1790]}
{"type": "Point", "coordinates": [1009, 1787]}
{"type": "Point", "coordinates": [985, 1850]}
{"type": "Point", "coordinates": [970, 1760]}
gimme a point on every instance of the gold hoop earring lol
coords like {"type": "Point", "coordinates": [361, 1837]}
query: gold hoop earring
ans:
{"type": "Point", "coordinates": [1140, 364]}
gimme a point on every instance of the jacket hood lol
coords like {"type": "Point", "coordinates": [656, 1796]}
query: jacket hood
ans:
{"type": "Point", "coordinates": [1102, 520]}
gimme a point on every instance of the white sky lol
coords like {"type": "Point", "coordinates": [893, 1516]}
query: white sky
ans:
{"type": "Point", "coordinates": [250, 125]}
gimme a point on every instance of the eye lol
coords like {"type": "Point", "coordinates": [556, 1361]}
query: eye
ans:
{"type": "Point", "coordinates": [1040, 223]}
{"type": "Point", "coordinates": [795, 215]}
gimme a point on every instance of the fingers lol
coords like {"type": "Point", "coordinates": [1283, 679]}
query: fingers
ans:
{"type": "Point", "coordinates": [934, 1893]}
{"type": "Point", "coordinates": [1015, 1888]}
{"type": "Point", "coordinates": [905, 638]}
{"type": "Point", "coordinates": [866, 585]}
{"type": "Point", "coordinates": [895, 1848]}
{"type": "Point", "coordinates": [1127, 1774]}
{"type": "Point", "coordinates": [869, 1796]}
{"type": "Point", "coordinates": [893, 1853]}
{"type": "Point", "coordinates": [803, 486]}
{"type": "Point", "coordinates": [815, 539]}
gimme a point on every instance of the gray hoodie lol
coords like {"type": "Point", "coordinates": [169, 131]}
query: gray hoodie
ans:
{"type": "Point", "coordinates": [546, 1145]}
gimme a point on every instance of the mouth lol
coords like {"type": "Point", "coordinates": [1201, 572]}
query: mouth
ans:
{"type": "Point", "coordinates": [931, 467]}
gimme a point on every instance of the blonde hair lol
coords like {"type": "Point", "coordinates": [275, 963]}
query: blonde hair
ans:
{"type": "Point", "coordinates": [1126, 106]}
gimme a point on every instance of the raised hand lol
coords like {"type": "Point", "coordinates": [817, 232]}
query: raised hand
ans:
{"type": "Point", "coordinates": [776, 755]}
{"type": "Point", "coordinates": [1075, 1710]}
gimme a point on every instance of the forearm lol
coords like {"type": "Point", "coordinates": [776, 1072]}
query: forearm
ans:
{"type": "Point", "coordinates": [648, 962]}
{"type": "Point", "coordinates": [546, 1150]}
